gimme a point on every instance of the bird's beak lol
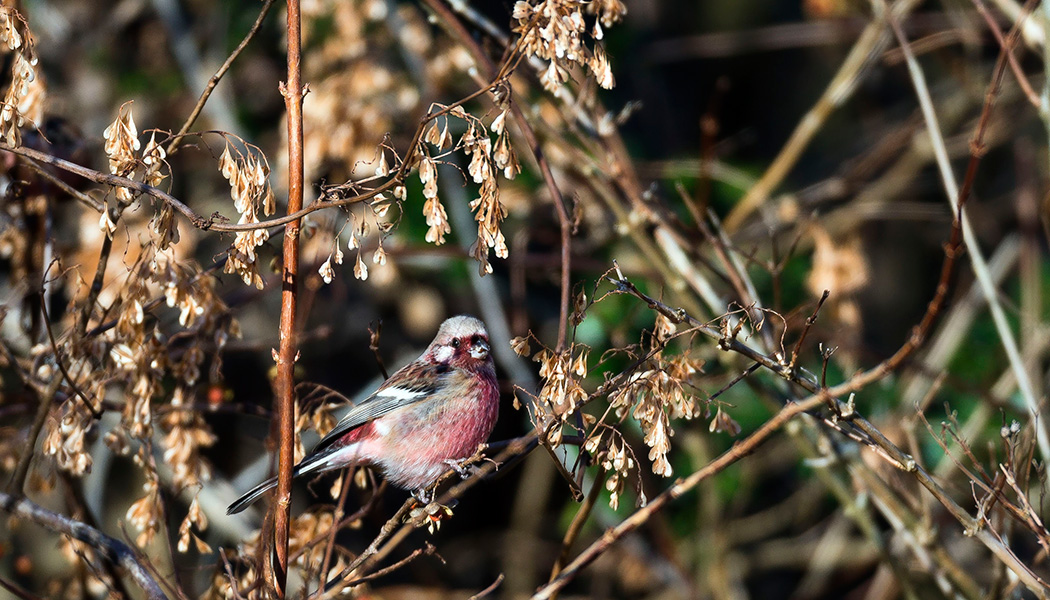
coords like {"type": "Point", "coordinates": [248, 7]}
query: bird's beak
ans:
{"type": "Point", "coordinates": [480, 350]}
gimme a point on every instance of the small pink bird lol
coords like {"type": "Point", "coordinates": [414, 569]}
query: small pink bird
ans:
{"type": "Point", "coordinates": [429, 416]}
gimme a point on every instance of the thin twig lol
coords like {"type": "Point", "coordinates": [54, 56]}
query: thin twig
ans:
{"type": "Point", "coordinates": [373, 345]}
{"type": "Point", "coordinates": [809, 323]}
{"type": "Point", "coordinates": [1008, 45]}
{"type": "Point", "coordinates": [577, 523]}
{"type": "Point", "coordinates": [61, 366]}
{"type": "Point", "coordinates": [426, 550]}
{"type": "Point", "coordinates": [46, 397]}
{"type": "Point", "coordinates": [214, 81]}
{"type": "Point", "coordinates": [488, 590]}
{"type": "Point", "coordinates": [957, 198]}
{"type": "Point", "coordinates": [337, 516]}
{"type": "Point", "coordinates": [96, 284]}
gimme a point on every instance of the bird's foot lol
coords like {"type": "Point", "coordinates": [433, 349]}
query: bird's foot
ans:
{"type": "Point", "coordinates": [462, 467]}
{"type": "Point", "coordinates": [424, 496]}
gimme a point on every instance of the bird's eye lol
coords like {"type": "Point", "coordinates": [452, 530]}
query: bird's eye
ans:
{"type": "Point", "coordinates": [474, 339]}
{"type": "Point", "coordinates": [455, 343]}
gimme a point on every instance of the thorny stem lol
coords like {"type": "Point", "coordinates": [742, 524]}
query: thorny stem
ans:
{"type": "Point", "coordinates": [284, 399]}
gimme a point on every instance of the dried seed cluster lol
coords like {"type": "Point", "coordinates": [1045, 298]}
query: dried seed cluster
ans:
{"type": "Point", "coordinates": [487, 160]}
{"type": "Point", "coordinates": [133, 362]}
{"type": "Point", "coordinates": [24, 100]}
{"type": "Point", "coordinates": [248, 174]}
{"type": "Point", "coordinates": [554, 30]}
{"type": "Point", "coordinates": [654, 393]}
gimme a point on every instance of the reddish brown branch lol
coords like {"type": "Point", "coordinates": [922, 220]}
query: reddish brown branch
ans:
{"type": "Point", "coordinates": [284, 399]}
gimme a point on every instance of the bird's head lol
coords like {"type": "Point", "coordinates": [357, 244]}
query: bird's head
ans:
{"type": "Point", "coordinates": [461, 342]}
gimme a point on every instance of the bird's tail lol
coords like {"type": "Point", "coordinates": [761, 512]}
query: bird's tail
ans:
{"type": "Point", "coordinates": [251, 496]}
{"type": "Point", "coordinates": [315, 463]}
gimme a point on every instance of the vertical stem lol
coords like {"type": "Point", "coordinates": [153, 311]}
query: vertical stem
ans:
{"type": "Point", "coordinates": [293, 99]}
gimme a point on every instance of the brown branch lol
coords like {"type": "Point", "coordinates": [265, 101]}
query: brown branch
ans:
{"type": "Point", "coordinates": [83, 198]}
{"type": "Point", "coordinates": [485, 592]}
{"type": "Point", "coordinates": [284, 398]}
{"type": "Point", "coordinates": [1007, 45]}
{"type": "Point", "coordinates": [96, 284]}
{"type": "Point", "coordinates": [16, 591]}
{"type": "Point", "coordinates": [809, 323]}
{"type": "Point", "coordinates": [78, 506]}
{"type": "Point", "coordinates": [109, 548]}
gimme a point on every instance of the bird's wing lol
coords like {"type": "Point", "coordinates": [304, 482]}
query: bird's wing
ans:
{"type": "Point", "coordinates": [413, 383]}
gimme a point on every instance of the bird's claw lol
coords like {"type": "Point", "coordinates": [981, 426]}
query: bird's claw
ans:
{"type": "Point", "coordinates": [423, 496]}
{"type": "Point", "coordinates": [461, 467]}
